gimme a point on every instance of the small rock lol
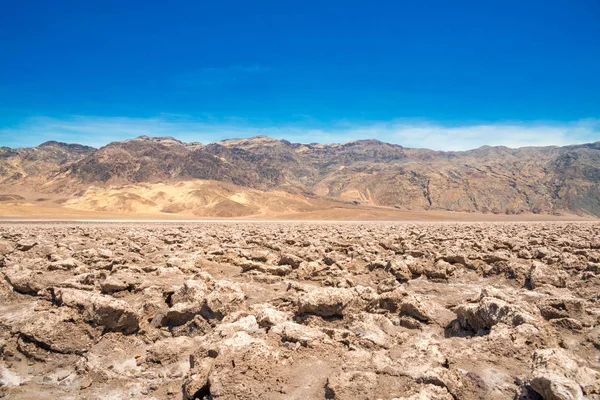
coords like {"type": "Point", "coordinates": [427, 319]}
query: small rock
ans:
{"type": "Point", "coordinates": [269, 317]}
{"type": "Point", "coordinates": [542, 274]}
{"type": "Point", "coordinates": [297, 333]}
{"type": "Point", "coordinates": [489, 312]}
{"type": "Point", "coordinates": [439, 271]}
{"type": "Point", "coordinates": [556, 375]}
{"type": "Point", "coordinates": [86, 382]}
{"type": "Point", "coordinates": [325, 302]}
{"type": "Point", "coordinates": [291, 260]}
{"type": "Point", "coordinates": [25, 281]}
{"type": "Point", "coordinates": [113, 284]}
{"type": "Point", "coordinates": [106, 311]}
{"type": "Point", "coordinates": [399, 269]}
{"type": "Point", "coordinates": [414, 307]}
{"type": "Point", "coordinates": [196, 384]}
{"type": "Point", "coordinates": [26, 245]}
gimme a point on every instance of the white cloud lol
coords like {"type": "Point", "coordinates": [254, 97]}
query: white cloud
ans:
{"type": "Point", "coordinates": [464, 137]}
{"type": "Point", "coordinates": [98, 131]}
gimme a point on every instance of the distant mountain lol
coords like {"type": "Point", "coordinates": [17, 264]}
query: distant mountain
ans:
{"type": "Point", "coordinates": [484, 180]}
{"type": "Point", "coordinates": [38, 163]}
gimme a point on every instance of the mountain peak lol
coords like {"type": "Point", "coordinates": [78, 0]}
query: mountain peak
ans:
{"type": "Point", "coordinates": [251, 141]}
{"type": "Point", "coordinates": [488, 179]}
{"type": "Point", "coordinates": [158, 139]}
{"type": "Point", "coordinates": [65, 146]}
{"type": "Point", "coordinates": [54, 143]}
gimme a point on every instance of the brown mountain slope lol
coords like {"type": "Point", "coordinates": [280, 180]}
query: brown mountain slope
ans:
{"type": "Point", "coordinates": [193, 198]}
{"type": "Point", "coordinates": [38, 163]}
{"type": "Point", "coordinates": [485, 180]}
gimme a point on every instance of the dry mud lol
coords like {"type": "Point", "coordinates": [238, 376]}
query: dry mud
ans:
{"type": "Point", "coordinates": [300, 310]}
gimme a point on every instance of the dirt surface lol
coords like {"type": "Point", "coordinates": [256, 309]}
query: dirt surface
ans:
{"type": "Point", "coordinates": [43, 209]}
{"type": "Point", "coordinates": [300, 310]}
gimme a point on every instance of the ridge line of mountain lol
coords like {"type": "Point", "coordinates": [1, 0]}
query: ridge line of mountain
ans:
{"type": "Point", "coordinates": [195, 143]}
{"type": "Point", "coordinates": [497, 179]}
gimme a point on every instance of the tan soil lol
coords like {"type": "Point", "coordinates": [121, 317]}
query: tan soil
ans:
{"type": "Point", "coordinates": [298, 310]}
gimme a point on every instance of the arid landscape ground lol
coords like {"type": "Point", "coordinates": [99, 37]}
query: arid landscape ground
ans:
{"type": "Point", "coordinates": [300, 310]}
{"type": "Point", "coordinates": [263, 269]}
{"type": "Point", "coordinates": [332, 200]}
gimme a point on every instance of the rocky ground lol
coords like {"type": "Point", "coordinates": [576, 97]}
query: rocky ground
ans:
{"type": "Point", "coordinates": [300, 310]}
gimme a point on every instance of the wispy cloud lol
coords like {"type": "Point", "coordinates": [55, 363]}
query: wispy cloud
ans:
{"type": "Point", "coordinates": [213, 76]}
{"type": "Point", "coordinates": [98, 131]}
{"type": "Point", "coordinates": [467, 136]}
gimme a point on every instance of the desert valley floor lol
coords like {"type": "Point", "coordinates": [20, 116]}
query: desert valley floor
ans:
{"type": "Point", "coordinates": [300, 310]}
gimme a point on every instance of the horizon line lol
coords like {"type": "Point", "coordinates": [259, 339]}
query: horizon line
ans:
{"type": "Point", "coordinates": [300, 143]}
{"type": "Point", "coordinates": [98, 131]}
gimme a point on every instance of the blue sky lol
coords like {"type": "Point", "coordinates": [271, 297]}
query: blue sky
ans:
{"type": "Point", "coordinates": [448, 75]}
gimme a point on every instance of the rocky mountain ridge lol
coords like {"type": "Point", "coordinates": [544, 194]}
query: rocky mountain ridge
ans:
{"type": "Point", "coordinates": [40, 161]}
{"type": "Point", "coordinates": [485, 180]}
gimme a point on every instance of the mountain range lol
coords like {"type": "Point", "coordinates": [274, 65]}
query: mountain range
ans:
{"type": "Point", "coordinates": [262, 175]}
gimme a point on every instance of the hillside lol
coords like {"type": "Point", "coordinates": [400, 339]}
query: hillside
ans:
{"type": "Point", "coordinates": [498, 180]}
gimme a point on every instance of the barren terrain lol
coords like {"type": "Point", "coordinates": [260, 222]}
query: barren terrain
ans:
{"type": "Point", "coordinates": [32, 207]}
{"type": "Point", "coordinates": [262, 177]}
{"type": "Point", "coordinates": [300, 310]}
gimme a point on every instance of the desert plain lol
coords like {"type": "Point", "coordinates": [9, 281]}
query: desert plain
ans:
{"type": "Point", "coordinates": [300, 310]}
{"type": "Point", "coordinates": [394, 200]}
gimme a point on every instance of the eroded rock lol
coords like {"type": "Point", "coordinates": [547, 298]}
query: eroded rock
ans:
{"type": "Point", "coordinates": [557, 375]}
{"type": "Point", "coordinates": [110, 313]}
{"type": "Point", "coordinates": [325, 302]}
